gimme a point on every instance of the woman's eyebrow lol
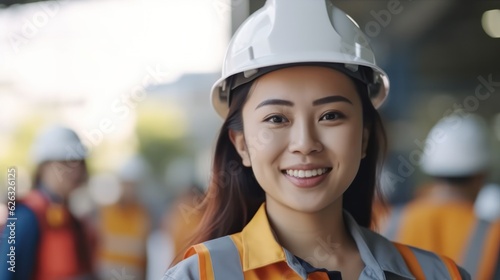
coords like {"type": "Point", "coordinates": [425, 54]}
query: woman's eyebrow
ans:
{"type": "Point", "coordinates": [332, 98]}
{"type": "Point", "coordinates": [275, 102]}
{"type": "Point", "coordinates": [324, 100]}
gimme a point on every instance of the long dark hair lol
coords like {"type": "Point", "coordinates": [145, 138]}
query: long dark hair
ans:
{"type": "Point", "coordinates": [234, 195]}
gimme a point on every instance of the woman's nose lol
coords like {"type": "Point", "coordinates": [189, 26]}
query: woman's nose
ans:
{"type": "Point", "coordinates": [304, 139]}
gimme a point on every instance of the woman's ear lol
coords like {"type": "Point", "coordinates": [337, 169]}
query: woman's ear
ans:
{"type": "Point", "coordinates": [366, 137]}
{"type": "Point", "coordinates": [238, 140]}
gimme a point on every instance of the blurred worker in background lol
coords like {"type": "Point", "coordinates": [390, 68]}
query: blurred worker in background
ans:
{"type": "Point", "coordinates": [442, 219]}
{"type": "Point", "coordinates": [124, 226]}
{"type": "Point", "coordinates": [50, 243]}
{"type": "Point", "coordinates": [168, 244]}
{"type": "Point", "coordinates": [160, 248]}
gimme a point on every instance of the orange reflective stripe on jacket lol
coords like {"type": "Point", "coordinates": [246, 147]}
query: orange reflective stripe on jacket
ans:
{"type": "Point", "coordinates": [411, 260]}
{"type": "Point", "coordinates": [416, 268]}
{"type": "Point", "coordinates": [218, 259]}
{"type": "Point", "coordinates": [481, 257]}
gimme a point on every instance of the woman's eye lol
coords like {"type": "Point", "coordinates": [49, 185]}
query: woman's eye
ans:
{"type": "Point", "coordinates": [331, 116]}
{"type": "Point", "coordinates": [276, 119]}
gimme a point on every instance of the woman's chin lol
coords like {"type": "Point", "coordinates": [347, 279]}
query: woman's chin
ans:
{"type": "Point", "coordinates": [304, 205]}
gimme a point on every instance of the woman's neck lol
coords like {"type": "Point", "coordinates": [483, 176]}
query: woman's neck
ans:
{"type": "Point", "coordinates": [320, 236]}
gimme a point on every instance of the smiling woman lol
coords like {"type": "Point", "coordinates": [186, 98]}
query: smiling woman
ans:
{"type": "Point", "coordinates": [295, 169]}
{"type": "Point", "coordinates": [312, 131]}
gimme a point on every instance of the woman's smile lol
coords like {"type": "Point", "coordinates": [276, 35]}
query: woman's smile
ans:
{"type": "Point", "coordinates": [306, 176]}
{"type": "Point", "coordinates": [306, 173]}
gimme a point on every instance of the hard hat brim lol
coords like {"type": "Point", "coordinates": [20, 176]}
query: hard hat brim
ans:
{"type": "Point", "coordinates": [221, 105]}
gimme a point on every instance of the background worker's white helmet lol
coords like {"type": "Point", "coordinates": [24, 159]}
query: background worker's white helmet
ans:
{"type": "Point", "coordinates": [457, 146]}
{"type": "Point", "coordinates": [287, 32]}
{"type": "Point", "coordinates": [58, 143]}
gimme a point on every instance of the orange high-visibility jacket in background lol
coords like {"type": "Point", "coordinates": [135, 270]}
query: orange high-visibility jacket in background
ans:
{"type": "Point", "coordinates": [63, 250]}
{"type": "Point", "coordinates": [255, 254]}
{"type": "Point", "coordinates": [451, 229]}
{"type": "Point", "coordinates": [123, 233]}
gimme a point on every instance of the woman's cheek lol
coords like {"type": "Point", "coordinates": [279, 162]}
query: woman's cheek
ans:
{"type": "Point", "coordinates": [343, 140]}
{"type": "Point", "coordinates": [259, 137]}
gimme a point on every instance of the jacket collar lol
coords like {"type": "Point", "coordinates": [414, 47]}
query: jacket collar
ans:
{"type": "Point", "coordinates": [258, 231]}
{"type": "Point", "coordinates": [378, 253]}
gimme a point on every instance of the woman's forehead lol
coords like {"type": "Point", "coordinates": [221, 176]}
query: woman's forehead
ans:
{"type": "Point", "coordinates": [303, 82]}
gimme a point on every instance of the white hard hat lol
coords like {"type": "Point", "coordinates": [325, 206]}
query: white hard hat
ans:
{"type": "Point", "coordinates": [58, 143]}
{"type": "Point", "coordinates": [285, 32]}
{"type": "Point", "coordinates": [487, 205]}
{"type": "Point", "coordinates": [457, 146]}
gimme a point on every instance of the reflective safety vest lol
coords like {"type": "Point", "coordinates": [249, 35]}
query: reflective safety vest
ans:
{"type": "Point", "coordinates": [482, 256]}
{"type": "Point", "coordinates": [124, 230]}
{"type": "Point", "coordinates": [449, 229]}
{"type": "Point", "coordinates": [220, 259]}
{"type": "Point", "coordinates": [62, 252]}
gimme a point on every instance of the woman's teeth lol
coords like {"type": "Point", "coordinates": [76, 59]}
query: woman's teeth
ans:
{"type": "Point", "coordinates": [306, 173]}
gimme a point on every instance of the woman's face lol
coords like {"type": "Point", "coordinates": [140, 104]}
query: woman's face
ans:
{"type": "Point", "coordinates": [303, 136]}
{"type": "Point", "coordinates": [62, 177]}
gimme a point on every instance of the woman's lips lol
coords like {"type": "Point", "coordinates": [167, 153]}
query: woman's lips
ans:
{"type": "Point", "coordinates": [306, 178]}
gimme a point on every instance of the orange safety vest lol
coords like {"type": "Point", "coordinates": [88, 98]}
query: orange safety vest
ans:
{"type": "Point", "coordinates": [124, 230]}
{"type": "Point", "coordinates": [62, 252]}
{"type": "Point", "coordinates": [450, 229]}
{"type": "Point", "coordinates": [213, 266]}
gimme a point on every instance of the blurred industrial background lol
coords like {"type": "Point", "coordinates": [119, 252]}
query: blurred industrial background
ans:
{"type": "Point", "coordinates": [132, 77]}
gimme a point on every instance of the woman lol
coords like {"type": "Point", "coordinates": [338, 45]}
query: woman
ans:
{"type": "Point", "coordinates": [295, 167]}
{"type": "Point", "coordinates": [50, 243]}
